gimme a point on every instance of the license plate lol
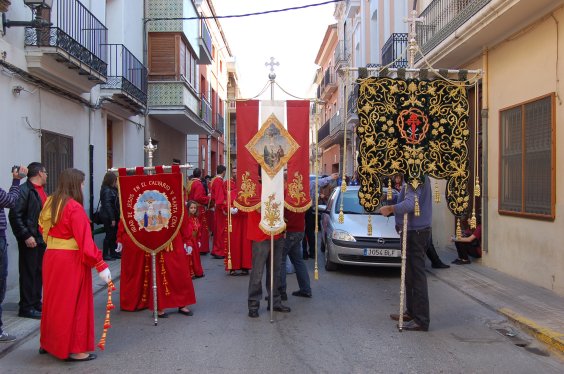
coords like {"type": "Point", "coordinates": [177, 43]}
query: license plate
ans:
{"type": "Point", "coordinates": [382, 252]}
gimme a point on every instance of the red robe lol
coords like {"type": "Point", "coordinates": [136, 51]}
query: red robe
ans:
{"type": "Point", "coordinates": [174, 282]}
{"type": "Point", "coordinates": [67, 323]}
{"type": "Point", "coordinates": [135, 284]}
{"type": "Point", "coordinates": [194, 241]}
{"type": "Point", "coordinates": [239, 246]}
{"type": "Point", "coordinates": [197, 193]}
{"type": "Point", "coordinates": [219, 196]}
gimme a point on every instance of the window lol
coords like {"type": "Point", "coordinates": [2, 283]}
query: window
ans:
{"type": "Point", "coordinates": [56, 155]}
{"type": "Point", "coordinates": [527, 170]}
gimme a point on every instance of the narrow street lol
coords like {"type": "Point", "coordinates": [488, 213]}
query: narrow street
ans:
{"type": "Point", "coordinates": [344, 328]}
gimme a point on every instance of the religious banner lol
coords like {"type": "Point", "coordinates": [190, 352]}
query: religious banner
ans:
{"type": "Point", "coordinates": [152, 207]}
{"type": "Point", "coordinates": [266, 139]}
{"type": "Point", "coordinates": [416, 128]}
{"type": "Point", "coordinates": [297, 194]}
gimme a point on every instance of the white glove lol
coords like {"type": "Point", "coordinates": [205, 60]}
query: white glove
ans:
{"type": "Point", "coordinates": [199, 245]}
{"type": "Point", "coordinates": [234, 210]}
{"type": "Point", "coordinates": [188, 249]}
{"type": "Point", "coordinates": [105, 275]}
{"type": "Point", "coordinates": [119, 247]}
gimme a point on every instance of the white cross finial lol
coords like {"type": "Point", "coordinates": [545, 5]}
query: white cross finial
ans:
{"type": "Point", "coordinates": [272, 64]}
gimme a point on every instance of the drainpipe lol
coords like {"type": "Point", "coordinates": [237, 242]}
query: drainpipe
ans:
{"type": "Point", "coordinates": [485, 129]}
{"type": "Point", "coordinates": [90, 166]}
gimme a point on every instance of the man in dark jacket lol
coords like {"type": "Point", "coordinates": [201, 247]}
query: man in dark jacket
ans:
{"type": "Point", "coordinates": [31, 247]}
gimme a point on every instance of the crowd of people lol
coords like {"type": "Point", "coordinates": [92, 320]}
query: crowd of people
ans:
{"type": "Point", "coordinates": [57, 252]}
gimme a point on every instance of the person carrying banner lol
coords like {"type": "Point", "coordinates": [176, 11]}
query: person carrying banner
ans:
{"type": "Point", "coordinates": [239, 245]}
{"type": "Point", "coordinates": [67, 323]}
{"type": "Point", "coordinates": [196, 192]}
{"type": "Point", "coordinates": [135, 270]}
{"type": "Point", "coordinates": [219, 197]}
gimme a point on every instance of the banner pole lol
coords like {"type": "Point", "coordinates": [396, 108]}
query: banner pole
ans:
{"type": "Point", "coordinates": [403, 261]}
{"type": "Point", "coordinates": [150, 149]}
{"type": "Point", "coordinates": [271, 275]}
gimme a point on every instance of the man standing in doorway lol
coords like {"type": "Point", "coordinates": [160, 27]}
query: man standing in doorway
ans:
{"type": "Point", "coordinates": [24, 219]}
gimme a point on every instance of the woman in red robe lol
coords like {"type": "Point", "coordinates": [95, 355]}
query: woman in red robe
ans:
{"type": "Point", "coordinates": [67, 323]}
{"type": "Point", "coordinates": [194, 232]}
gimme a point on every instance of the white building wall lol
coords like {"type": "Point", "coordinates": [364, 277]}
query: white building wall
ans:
{"type": "Point", "coordinates": [192, 150]}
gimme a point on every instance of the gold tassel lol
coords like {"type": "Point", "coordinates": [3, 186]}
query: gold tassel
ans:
{"type": "Point", "coordinates": [229, 265]}
{"type": "Point", "coordinates": [458, 229]}
{"type": "Point", "coordinates": [473, 219]}
{"type": "Point", "coordinates": [389, 195]}
{"type": "Point", "coordinates": [343, 185]}
{"type": "Point", "coordinates": [477, 189]}
{"type": "Point", "coordinates": [316, 274]}
{"type": "Point", "coordinates": [417, 209]}
{"type": "Point", "coordinates": [369, 225]}
{"type": "Point", "coordinates": [437, 194]}
{"type": "Point", "coordinates": [341, 216]}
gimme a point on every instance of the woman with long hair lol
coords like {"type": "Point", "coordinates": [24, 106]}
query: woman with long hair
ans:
{"type": "Point", "coordinates": [67, 323]}
{"type": "Point", "coordinates": [109, 213]}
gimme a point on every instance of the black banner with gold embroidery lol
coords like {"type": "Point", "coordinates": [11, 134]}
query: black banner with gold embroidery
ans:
{"type": "Point", "coordinates": [416, 128]}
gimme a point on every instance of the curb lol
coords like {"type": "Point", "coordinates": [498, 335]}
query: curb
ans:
{"type": "Point", "coordinates": [553, 339]}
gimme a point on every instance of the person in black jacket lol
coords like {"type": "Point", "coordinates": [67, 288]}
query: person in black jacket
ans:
{"type": "Point", "coordinates": [109, 213]}
{"type": "Point", "coordinates": [31, 247]}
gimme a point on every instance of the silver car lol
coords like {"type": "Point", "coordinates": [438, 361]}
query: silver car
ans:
{"type": "Point", "coordinates": [349, 243]}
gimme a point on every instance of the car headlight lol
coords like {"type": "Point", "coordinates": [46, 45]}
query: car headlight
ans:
{"type": "Point", "coordinates": [343, 235]}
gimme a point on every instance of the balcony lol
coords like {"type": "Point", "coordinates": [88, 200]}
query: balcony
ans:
{"type": "Point", "coordinates": [328, 85]}
{"type": "Point", "coordinates": [219, 124]}
{"type": "Point", "coordinates": [126, 78]}
{"type": "Point", "coordinates": [336, 123]}
{"type": "Point", "coordinates": [323, 131]}
{"type": "Point", "coordinates": [351, 8]}
{"type": "Point", "coordinates": [206, 111]}
{"type": "Point", "coordinates": [177, 105]}
{"type": "Point", "coordinates": [72, 52]}
{"type": "Point", "coordinates": [394, 51]}
{"type": "Point", "coordinates": [341, 55]}
{"type": "Point", "coordinates": [205, 43]}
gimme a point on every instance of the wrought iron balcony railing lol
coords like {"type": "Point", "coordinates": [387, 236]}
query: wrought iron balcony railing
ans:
{"type": "Point", "coordinates": [219, 123]}
{"type": "Point", "coordinates": [76, 31]}
{"type": "Point", "coordinates": [395, 50]}
{"type": "Point", "coordinates": [336, 123]}
{"type": "Point", "coordinates": [126, 72]}
{"type": "Point", "coordinates": [205, 110]}
{"type": "Point", "coordinates": [442, 18]}
{"type": "Point", "coordinates": [206, 36]}
{"type": "Point", "coordinates": [341, 55]}
{"type": "Point", "coordinates": [324, 131]}
{"type": "Point", "coordinates": [351, 103]}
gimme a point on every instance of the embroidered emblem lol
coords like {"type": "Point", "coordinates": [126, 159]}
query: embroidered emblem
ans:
{"type": "Point", "coordinates": [248, 188]}
{"type": "Point", "coordinates": [272, 213]}
{"type": "Point", "coordinates": [152, 211]}
{"type": "Point", "coordinates": [295, 189]}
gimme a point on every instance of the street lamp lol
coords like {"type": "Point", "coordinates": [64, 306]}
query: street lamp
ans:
{"type": "Point", "coordinates": [34, 5]}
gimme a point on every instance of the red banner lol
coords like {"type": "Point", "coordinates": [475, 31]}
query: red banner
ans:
{"type": "Point", "coordinates": [152, 207]}
{"type": "Point", "coordinates": [297, 197]}
{"type": "Point", "coordinates": [248, 195]}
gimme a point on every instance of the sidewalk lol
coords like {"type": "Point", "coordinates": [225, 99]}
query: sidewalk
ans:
{"type": "Point", "coordinates": [25, 328]}
{"type": "Point", "coordinates": [537, 311]}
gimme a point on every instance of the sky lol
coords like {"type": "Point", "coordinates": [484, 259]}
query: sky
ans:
{"type": "Point", "coordinates": [293, 38]}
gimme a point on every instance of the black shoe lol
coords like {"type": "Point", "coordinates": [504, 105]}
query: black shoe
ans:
{"type": "Point", "coordinates": [33, 314]}
{"type": "Point", "coordinates": [440, 265]}
{"type": "Point", "coordinates": [301, 293]}
{"type": "Point", "coordinates": [253, 313]}
{"type": "Point", "coordinates": [218, 257]}
{"type": "Point", "coordinates": [42, 351]}
{"type": "Point", "coordinates": [414, 326]}
{"type": "Point", "coordinates": [186, 313]}
{"type": "Point", "coordinates": [284, 296]}
{"type": "Point", "coordinates": [245, 272]}
{"type": "Point", "coordinates": [199, 276]}
{"type": "Point", "coordinates": [459, 261]}
{"type": "Point", "coordinates": [116, 256]}
{"type": "Point", "coordinates": [39, 308]}
{"type": "Point", "coordinates": [280, 308]}
{"type": "Point", "coordinates": [90, 357]}
{"type": "Point", "coordinates": [108, 258]}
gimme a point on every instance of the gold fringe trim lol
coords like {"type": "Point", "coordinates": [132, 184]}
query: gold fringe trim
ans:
{"type": "Point", "coordinates": [269, 232]}
{"type": "Point", "coordinates": [297, 209]}
{"type": "Point", "coordinates": [246, 209]}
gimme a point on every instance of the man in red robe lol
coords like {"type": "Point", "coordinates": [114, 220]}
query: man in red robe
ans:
{"type": "Point", "coordinates": [239, 246]}
{"type": "Point", "coordinates": [197, 193]}
{"type": "Point", "coordinates": [219, 197]}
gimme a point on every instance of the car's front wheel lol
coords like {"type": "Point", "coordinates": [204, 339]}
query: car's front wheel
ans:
{"type": "Point", "coordinates": [329, 266]}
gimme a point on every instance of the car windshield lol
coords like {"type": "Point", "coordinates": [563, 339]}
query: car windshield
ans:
{"type": "Point", "coordinates": [351, 205]}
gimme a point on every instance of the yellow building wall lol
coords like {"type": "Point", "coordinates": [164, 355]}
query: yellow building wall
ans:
{"type": "Point", "coordinates": [519, 69]}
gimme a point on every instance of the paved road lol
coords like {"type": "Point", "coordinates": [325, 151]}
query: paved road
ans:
{"type": "Point", "coordinates": [344, 328]}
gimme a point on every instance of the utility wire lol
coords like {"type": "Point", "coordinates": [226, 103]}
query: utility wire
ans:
{"type": "Point", "coordinates": [244, 14]}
